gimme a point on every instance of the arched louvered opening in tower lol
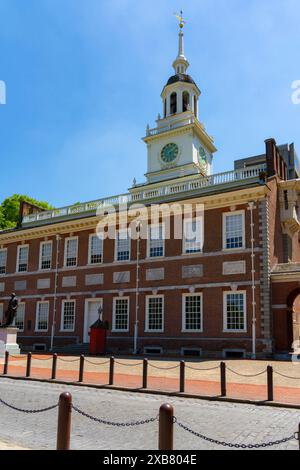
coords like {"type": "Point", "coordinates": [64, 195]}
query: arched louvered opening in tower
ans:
{"type": "Point", "coordinates": [173, 103]}
{"type": "Point", "coordinates": [185, 101]}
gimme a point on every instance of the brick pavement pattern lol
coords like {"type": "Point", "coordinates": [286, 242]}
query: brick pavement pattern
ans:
{"type": "Point", "coordinates": [236, 423]}
{"type": "Point", "coordinates": [163, 375]}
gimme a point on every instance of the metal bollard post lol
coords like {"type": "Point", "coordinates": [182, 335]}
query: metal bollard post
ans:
{"type": "Point", "coordinates": [145, 373]}
{"type": "Point", "coordinates": [166, 425]}
{"type": "Point", "coordinates": [64, 422]}
{"type": "Point", "coordinates": [270, 383]}
{"type": "Point", "coordinates": [5, 368]}
{"type": "Point", "coordinates": [182, 377]}
{"type": "Point", "coordinates": [81, 368]}
{"type": "Point", "coordinates": [223, 378]}
{"type": "Point", "coordinates": [28, 367]}
{"type": "Point", "coordinates": [54, 366]}
{"type": "Point", "coordinates": [111, 370]}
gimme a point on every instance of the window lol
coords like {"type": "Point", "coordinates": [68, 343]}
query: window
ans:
{"type": "Point", "coordinates": [185, 101]}
{"type": "Point", "coordinates": [1, 314]}
{"type": "Point", "coordinates": [22, 258]}
{"type": "Point", "coordinates": [95, 249]}
{"type": "Point", "coordinates": [45, 255]}
{"type": "Point", "coordinates": [153, 350]}
{"type": "Point", "coordinates": [192, 312]}
{"type": "Point", "coordinates": [234, 232]}
{"type": "Point", "coordinates": [155, 313]}
{"type": "Point", "coordinates": [235, 311]}
{"type": "Point", "coordinates": [42, 314]}
{"type": "Point", "coordinates": [173, 103]}
{"type": "Point", "coordinates": [122, 246]}
{"type": "Point", "coordinates": [121, 314]}
{"type": "Point", "coordinates": [20, 318]}
{"type": "Point", "coordinates": [193, 236]}
{"type": "Point", "coordinates": [3, 258]}
{"type": "Point", "coordinates": [156, 244]}
{"type": "Point", "coordinates": [71, 249]}
{"type": "Point", "coordinates": [68, 315]}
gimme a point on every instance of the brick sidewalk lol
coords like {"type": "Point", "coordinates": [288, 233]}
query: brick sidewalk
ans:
{"type": "Point", "coordinates": [201, 378]}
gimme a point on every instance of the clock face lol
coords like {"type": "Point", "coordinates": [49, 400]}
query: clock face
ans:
{"type": "Point", "coordinates": [169, 153]}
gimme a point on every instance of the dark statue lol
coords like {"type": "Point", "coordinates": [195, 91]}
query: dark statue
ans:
{"type": "Point", "coordinates": [11, 311]}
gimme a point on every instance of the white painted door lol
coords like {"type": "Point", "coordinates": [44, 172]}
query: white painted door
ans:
{"type": "Point", "coordinates": [91, 316]}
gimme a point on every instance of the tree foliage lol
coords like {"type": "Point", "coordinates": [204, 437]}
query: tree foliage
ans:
{"type": "Point", "coordinates": [9, 209]}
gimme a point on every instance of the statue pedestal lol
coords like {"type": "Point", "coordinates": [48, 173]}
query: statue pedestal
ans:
{"type": "Point", "coordinates": [8, 341]}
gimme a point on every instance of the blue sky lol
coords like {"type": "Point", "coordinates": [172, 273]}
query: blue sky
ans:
{"type": "Point", "coordinates": [84, 78]}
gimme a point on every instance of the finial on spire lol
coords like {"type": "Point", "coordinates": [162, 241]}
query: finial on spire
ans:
{"type": "Point", "coordinates": [180, 19]}
{"type": "Point", "coordinates": [181, 63]}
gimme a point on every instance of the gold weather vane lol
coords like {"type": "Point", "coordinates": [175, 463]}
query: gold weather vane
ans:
{"type": "Point", "coordinates": [180, 19]}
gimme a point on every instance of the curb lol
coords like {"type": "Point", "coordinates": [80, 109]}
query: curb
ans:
{"type": "Point", "coordinates": [217, 398]}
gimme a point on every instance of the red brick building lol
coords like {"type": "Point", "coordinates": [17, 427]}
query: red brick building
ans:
{"type": "Point", "coordinates": [234, 292]}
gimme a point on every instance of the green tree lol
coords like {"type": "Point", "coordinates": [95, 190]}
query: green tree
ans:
{"type": "Point", "coordinates": [9, 209]}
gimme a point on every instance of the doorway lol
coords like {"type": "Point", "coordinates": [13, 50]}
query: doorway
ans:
{"type": "Point", "coordinates": [91, 315]}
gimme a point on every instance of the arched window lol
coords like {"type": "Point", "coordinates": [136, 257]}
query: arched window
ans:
{"type": "Point", "coordinates": [165, 108]}
{"type": "Point", "coordinates": [185, 101]}
{"type": "Point", "coordinates": [195, 106]}
{"type": "Point", "coordinates": [173, 103]}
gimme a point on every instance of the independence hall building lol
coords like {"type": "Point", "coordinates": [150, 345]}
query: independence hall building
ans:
{"type": "Point", "coordinates": [234, 293]}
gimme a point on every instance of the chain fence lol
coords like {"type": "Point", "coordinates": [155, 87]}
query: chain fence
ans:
{"type": "Point", "coordinates": [246, 375]}
{"type": "Point", "coordinates": [97, 363]}
{"type": "Point", "coordinates": [233, 445]}
{"type": "Point", "coordinates": [174, 421]}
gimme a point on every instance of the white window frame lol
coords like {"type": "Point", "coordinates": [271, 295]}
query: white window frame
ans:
{"type": "Point", "coordinates": [65, 252]}
{"type": "Point", "coordinates": [184, 241]}
{"type": "Point", "coordinates": [184, 329]}
{"type": "Point", "coordinates": [24, 313]}
{"type": "Point", "coordinates": [163, 225]}
{"type": "Point", "coordinates": [225, 294]}
{"type": "Point", "coordinates": [4, 250]}
{"type": "Point", "coordinates": [49, 242]}
{"type": "Point", "coordinates": [148, 297]}
{"type": "Point", "coordinates": [114, 329]}
{"type": "Point", "coordinates": [228, 214]}
{"type": "Point", "coordinates": [116, 245]}
{"type": "Point", "coordinates": [62, 329]}
{"type": "Point", "coordinates": [90, 250]}
{"type": "Point", "coordinates": [18, 257]}
{"type": "Point", "coordinates": [37, 316]}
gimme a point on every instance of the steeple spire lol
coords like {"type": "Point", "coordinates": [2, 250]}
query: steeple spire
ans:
{"type": "Point", "coordinates": [181, 63]}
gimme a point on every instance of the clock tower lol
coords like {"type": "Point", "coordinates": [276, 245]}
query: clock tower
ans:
{"type": "Point", "coordinates": [179, 145]}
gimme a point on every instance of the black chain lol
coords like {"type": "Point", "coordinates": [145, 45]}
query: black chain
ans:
{"type": "Point", "coordinates": [286, 376]}
{"type": "Point", "coordinates": [111, 423]}
{"type": "Point", "coordinates": [246, 375]}
{"type": "Point", "coordinates": [42, 410]}
{"type": "Point", "coordinates": [204, 369]}
{"type": "Point", "coordinates": [97, 363]}
{"type": "Point", "coordinates": [236, 446]}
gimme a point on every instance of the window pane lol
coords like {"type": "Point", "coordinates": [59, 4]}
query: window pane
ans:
{"type": "Point", "coordinates": [193, 312]}
{"type": "Point", "coordinates": [71, 252]}
{"type": "Point", "coordinates": [193, 236]}
{"type": "Point", "coordinates": [42, 316]}
{"type": "Point", "coordinates": [96, 249]}
{"type": "Point", "coordinates": [235, 315]}
{"type": "Point", "coordinates": [69, 316]}
{"type": "Point", "coordinates": [1, 314]}
{"type": "Point", "coordinates": [19, 322]}
{"type": "Point", "coordinates": [3, 256]}
{"type": "Point", "coordinates": [123, 246]}
{"type": "Point", "coordinates": [46, 255]}
{"type": "Point", "coordinates": [121, 314]}
{"type": "Point", "coordinates": [156, 247]}
{"type": "Point", "coordinates": [23, 259]}
{"type": "Point", "coordinates": [155, 313]}
{"type": "Point", "coordinates": [234, 231]}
